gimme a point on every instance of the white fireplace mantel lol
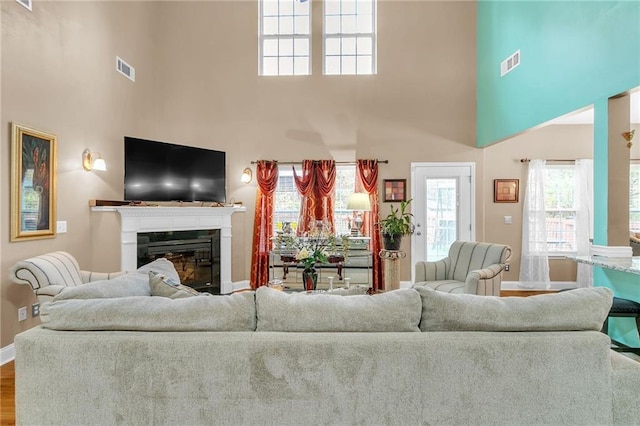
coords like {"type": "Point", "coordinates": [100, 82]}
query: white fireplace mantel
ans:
{"type": "Point", "coordinates": [138, 219]}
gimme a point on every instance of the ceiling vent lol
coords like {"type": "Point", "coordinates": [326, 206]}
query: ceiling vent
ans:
{"type": "Point", "coordinates": [510, 63]}
{"type": "Point", "coordinates": [125, 69]}
{"type": "Point", "coordinates": [25, 3]}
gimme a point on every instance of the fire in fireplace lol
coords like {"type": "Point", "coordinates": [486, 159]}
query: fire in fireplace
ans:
{"type": "Point", "coordinates": [195, 255]}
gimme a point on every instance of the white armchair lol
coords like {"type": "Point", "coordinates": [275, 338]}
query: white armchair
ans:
{"type": "Point", "coordinates": [50, 273]}
{"type": "Point", "coordinates": [471, 268]}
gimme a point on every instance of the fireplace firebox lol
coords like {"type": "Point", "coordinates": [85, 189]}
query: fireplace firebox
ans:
{"type": "Point", "coordinates": [195, 255]}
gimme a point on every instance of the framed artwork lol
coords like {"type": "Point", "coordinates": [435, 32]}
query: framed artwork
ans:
{"type": "Point", "coordinates": [33, 183]}
{"type": "Point", "coordinates": [395, 190]}
{"type": "Point", "coordinates": [505, 190]}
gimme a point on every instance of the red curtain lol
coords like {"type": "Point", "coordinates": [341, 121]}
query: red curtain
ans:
{"type": "Point", "coordinates": [267, 178]}
{"type": "Point", "coordinates": [316, 188]}
{"type": "Point", "coordinates": [367, 181]}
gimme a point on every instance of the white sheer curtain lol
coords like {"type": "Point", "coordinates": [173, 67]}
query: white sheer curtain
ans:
{"type": "Point", "coordinates": [584, 218]}
{"type": "Point", "coordinates": [534, 262]}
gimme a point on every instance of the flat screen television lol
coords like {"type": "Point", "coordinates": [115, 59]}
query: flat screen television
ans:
{"type": "Point", "coordinates": [160, 171]}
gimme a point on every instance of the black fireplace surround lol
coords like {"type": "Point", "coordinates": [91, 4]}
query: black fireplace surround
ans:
{"type": "Point", "coordinates": [195, 255]}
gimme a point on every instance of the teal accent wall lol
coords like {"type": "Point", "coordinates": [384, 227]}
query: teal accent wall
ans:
{"type": "Point", "coordinates": [573, 53]}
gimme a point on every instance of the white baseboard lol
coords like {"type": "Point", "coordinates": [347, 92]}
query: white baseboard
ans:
{"type": "Point", "coordinates": [7, 354]}
{"type": "Point", "coordinates": [240, 285]}
{"type": "Point", "coordinates": [555, 285]}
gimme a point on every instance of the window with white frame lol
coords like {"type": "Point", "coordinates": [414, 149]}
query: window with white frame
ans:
{"type": "Point", "coordinates": [349, 37]}
{"type": "Point", "coordinates": [284, 37]}
{"type": "Point", "coordinates": [560, 207]}
{"type": "Point", "coordinates": [286, 209]}
{"type": "Point", "coordinates": [634, 197]}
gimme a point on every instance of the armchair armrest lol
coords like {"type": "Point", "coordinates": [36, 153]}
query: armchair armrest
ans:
{"type": "Point", "coordinates": [485, 281]}
{"type": "Point", "coordinates": [432, 271]}
{"type": "Point", "coordinates": [88, 276]}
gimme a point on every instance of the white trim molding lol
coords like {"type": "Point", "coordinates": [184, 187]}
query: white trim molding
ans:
{"type": "Point", "coordinates": [7, 354]}
{"type": "Point", "coordinates": [555, 285]}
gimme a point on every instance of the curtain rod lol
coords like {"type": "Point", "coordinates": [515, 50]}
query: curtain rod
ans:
{"type": "Point", "coordinates": [567, 160]}
{"type": "Point", "coordinates": [337, 162]}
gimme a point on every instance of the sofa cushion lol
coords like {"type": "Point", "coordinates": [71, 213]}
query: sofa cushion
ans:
{"type": "Point", "coordinates": [351, 291]}
{"type": "Point", "coordinates": [580, 309]}
{"type": "Point", "coordinates": [161, 285]}
{"type": "Point", "coordinates": [397, 310]}
{"type": "Point", "coordinates": [235, 312]}
{"type": "Point", "coordinates": [131, 284]}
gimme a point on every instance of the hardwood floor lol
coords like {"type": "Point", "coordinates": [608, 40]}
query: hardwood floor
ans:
{"type": "Point", "coordinates": [7, 395]}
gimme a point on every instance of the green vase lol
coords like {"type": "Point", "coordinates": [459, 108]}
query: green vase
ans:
{"type": "Point", "coordinates": [309, 279]}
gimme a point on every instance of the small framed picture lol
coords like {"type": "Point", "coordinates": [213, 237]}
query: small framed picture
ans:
{"type": "Point", "coordinates": [395, 190]}
{"type": "Point", "coordinates": [505, 190]}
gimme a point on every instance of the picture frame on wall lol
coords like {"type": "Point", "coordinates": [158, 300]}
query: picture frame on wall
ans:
{"type": "Point", "coordinates": [395, 190]}
{"type": "Point", "coordinates": [505, 190]}
{"type": "Point", "coordinates": [33, 183]}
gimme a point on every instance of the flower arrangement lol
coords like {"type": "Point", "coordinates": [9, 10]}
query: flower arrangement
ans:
{"type": "Point", "coordinates": [312, 249]}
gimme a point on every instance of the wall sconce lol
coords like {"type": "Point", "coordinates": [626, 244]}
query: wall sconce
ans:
{"type": "Point", "coordinates": [247, 175]}
{"type": "Point", "coordinates": [93, 161]}
{"type": "Point", "coordinates": [628, 136]}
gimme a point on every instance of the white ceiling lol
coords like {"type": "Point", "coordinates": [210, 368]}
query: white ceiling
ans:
{"type": "Point", "coordinates": [586, 116]}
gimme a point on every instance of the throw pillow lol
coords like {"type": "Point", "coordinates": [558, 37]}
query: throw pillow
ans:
{"type": "Point", "coordinates": [131, 284]}
{"type": "Point", "coordinates": [161, 266]}
{"type": "Point", "coordinates": [387, 312]}
{"type": "Point", "coordinates": [580, 309]}
{"type": "Point", "coordinates": [161, 285]}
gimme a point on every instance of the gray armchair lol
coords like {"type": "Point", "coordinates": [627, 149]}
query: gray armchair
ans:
{"type": "Point", "coordinates": [471, 268]}
{"type": "Point", "coordinates": [48, 274]}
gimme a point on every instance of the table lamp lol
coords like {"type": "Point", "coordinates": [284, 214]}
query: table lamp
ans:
{"type": "Point", "coordinates": [358, 202]}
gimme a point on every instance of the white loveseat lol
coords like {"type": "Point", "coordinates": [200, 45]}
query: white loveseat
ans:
{"type": "Point", "coordinates": [410, 356]}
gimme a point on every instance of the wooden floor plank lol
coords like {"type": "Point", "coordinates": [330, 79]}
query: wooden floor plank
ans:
{"type": "Point", "coordinates": [7, 395]}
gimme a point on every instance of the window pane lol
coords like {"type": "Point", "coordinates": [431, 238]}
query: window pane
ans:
{"type": "Point", "coordinates": [332, 65]}
{"type": "Point", "coordinates": [301, 25]}
{"type": "Point", "coordinates": [286, 25]}
{"type": "Point", "coordinates": [365, 7]}
{"type": "Point", "coordinates": [364, 46]}
{"type": "Point", "coordinates": [270, 66]}
{"type": "Point", "coordinates": [348, 7]}
{"type": "Point", "coordinates": [365, 25]}
{"type": "Point", "coordinates": [286, 66]}
{"type": "Point", "coordinates": [348, 46]}
{"type": "Point", "coordinates": [286, 7]}
{"type": "Point", "coordinates": [270, 48]}
{"type": "Point", "coordinates": [332, 25]}
{"type": "Point", "coordinates": [349, 24]}
{"type": "Point", "coordinates": [332, 7]}
{"type": "Point", "coordinates": [270, 26]}
{"type": "Point", "coordinates": [269, 7]}
{"type": "Point", "coordinates": [442, 216]}
{"type": "Point", "coordinates": [364, 65]}
{"type": "Point", "coordinates": [301, 47]}
{"type": "Point", "coordinates": [301, 8]}
{"type": "Point", "coordinates": [634, 197]}
{"type": "Point", "coordinates": [286, 47]}
{"type": "Point", "coordinates": [301, 65]}
{"type": "Point", "coordinates": [348, 65]}
{"type": "Point", "coordinates": [332, 46]}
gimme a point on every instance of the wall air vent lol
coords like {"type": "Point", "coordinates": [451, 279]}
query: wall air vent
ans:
{"type": "Point", "coordinates": [510, 63]}
{"type": "Point", "coordinates": [25, 3]}
{"type": "Point", "coordinates": [125, 69]}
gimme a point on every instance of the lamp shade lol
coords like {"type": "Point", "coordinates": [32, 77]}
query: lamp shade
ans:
{"type": "Point", "coordinates": [99, 164]}
{"type": "Point", "coordinates": [359, 201]}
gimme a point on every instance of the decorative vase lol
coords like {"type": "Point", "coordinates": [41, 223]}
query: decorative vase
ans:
{"type": "Point", "coordinates": [391, 242]}
{"type": "Point", "coordinates": [309, 279]}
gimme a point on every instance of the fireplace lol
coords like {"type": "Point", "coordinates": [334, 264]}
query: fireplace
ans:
{"type": "Point", "coordinates": [195, 255]}
{"type": "Point", "coordinates": [143, 220]}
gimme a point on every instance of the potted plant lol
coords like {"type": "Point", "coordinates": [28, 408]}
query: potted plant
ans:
{"type": "Point", "coordinates": [395, 225]}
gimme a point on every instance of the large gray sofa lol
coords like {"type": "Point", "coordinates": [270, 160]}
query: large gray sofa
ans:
{"type": "Point", "coordinates": [124, 354]}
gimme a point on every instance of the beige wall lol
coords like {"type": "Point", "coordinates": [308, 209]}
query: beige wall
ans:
{"type": "Point", "coordinates": [58, 75]}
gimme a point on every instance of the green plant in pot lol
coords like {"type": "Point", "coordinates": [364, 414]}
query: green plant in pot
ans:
{"type": "Point", "coordinates": [395, 225]}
